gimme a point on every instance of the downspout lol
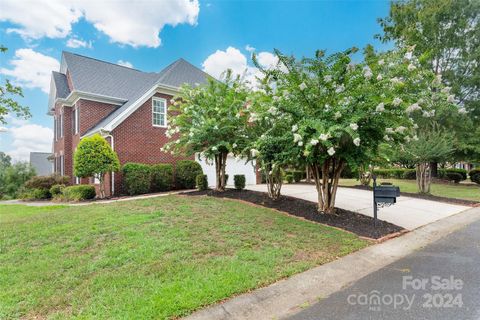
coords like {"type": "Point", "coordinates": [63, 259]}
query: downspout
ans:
{"type": "Point", "coordinates": [112, 182]}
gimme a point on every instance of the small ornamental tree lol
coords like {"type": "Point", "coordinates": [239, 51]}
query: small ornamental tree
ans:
{"type": "Point", "coordinates": [342, 111]}
{"type": "Point", "coordinates": [210, 122]}
{"type": "Point", "coordinates": [94, 158]}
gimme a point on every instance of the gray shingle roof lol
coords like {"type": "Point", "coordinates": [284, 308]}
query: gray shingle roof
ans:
{"type": "Point", "coordinates": [61, 84]}
{"type": "Point", "coordinates": [104, 78]}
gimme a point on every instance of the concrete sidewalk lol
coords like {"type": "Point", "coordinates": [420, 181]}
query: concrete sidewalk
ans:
{"type": "Point", "coordinates": [409, 213]}
{"type": "Point", "coordinates": [289, 296]}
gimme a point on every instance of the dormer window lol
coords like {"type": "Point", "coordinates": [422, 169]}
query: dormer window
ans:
{"type": "Point", "coordinates": [159, 112]}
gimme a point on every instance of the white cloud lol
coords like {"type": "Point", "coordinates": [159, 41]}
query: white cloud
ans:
{"type": "Point", "coordinates": [37, 19]}
{"type": "Point", "coordinates": [219, 61]}
{"type": "Point", "coordinates": [31, 69]}
{"type": "Point", "coordinates": [78, 43]}
{"type": "Point", "coordinates": [249, 48]}
{"type": "Point", "coordinates": [125, 63]}
{"type": "Point", "coordinates": [136, 23]}
{"type": "Point", "coordinates": [29, 137]}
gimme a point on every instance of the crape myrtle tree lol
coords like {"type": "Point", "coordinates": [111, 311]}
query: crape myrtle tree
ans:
{"type": "Point", "coordinates": [268, 137]}
{"type": "Point", "coordinates": [94, 158]}
{"type": "Point", "coordinates": [210, 122]}
{"type": "Point", "coordinates": [342, 111]}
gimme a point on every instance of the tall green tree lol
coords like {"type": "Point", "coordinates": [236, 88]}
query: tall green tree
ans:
{"type": "Point", "coordinates": [8, 94]}
{"type": "Point", "coordinates": [95, 158]}
{"type": "Point", "coordinates": [446, 36]}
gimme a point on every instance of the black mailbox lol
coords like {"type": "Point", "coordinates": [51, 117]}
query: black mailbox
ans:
{"type": "Point", "coordinates": [386, 194]}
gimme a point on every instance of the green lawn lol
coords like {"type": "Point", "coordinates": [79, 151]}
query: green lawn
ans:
{"type": "Point", "coordinates": [154, 258]}
{"type": "Point", "coordinates": [458, 191]}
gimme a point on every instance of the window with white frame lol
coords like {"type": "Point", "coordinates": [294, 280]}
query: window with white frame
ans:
{"type": "Point", "coordinates": [62, 165]}
{"type": "Point", "coordinates": [75, 121]}
{"type": "Point", "coordinates": [159, 112]}
{"type": "Point", "coordinates": [55, 128]}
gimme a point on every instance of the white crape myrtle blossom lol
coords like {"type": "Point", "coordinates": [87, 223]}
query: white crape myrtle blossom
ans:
{"type": "Point", "coordinates": [446, 90]}
{"type": "Point", "coordinates": [400, 129]}
{"type": "Point", "coordinates": [314, 142]}
{"type": "Point", "coordinates": [331, 151]}
{"type": "Point", "coordinates": [337, 115]}
{"type": "Point", "coordinates": [409, 55]}
{"type": "Point", "coordinates": [413, 107]}
{"type": "Point", "coordinates": [234, 145]}
{"type": "Point", "coordinates": [462, 111]}
{"type": "Point", "coordinates": [300, 143]}
{"type": "Point", "coordinates": [354, 126]}
{"type": "Point", "coordinates": [356, 141]}
{"type": "Point", "coordinates": [380, 107]}
{"type": "Point", "coordinates": [428, 114]}
{"type": "Point", "coordinates": [254, 152]}
{"type": "Point", "coordinates": [327, 78]}
{"type": "Point", "coordinates": [379, 77]}
{"type": "Point", "coordinates": [386, 138]}
{"type": "Point", "coordinates": [294, 128]}
{"type": "Point", "coordinates": [340, 88]}
{"type": "Point", "coordinates": [389, 130]}
{"type": "Point", "coordinates": [302, 86]}
{"type": "Point", "coordinates": [323, 137]}
{"type": "Point", "coordinates": [381, 62]}
{"type": "Point", "coordinates": [411, 67]}
{"type": "Point", "coordinates": [297, 137]}
{"type": "Point", "coordinates": [367, 72]}
{"type": "Point", "coordinates": [397, 101]}
{"type": "Point", "coordinates": [451, 98]}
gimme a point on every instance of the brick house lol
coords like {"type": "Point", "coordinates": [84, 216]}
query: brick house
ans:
{"type": "Point", "coordinates": [126, 106]}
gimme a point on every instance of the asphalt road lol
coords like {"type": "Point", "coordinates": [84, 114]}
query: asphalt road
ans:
{"type": "Point", "coordinates": [440, 281]}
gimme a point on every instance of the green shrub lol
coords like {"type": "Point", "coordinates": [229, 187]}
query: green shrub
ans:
{"type": "Point", "coordinates": [289, 178]}
{"type": "Point", "coordinates": [442, 173]}
{"type": "Point", "coordinates": [239, 181]}
{"type": "Point", "coordinates": [162, 177]}
{"type": "Point", "coordinates": [57, 189]}
{"type": "Point", "coordinates": [202, 182]}
{"type": "Point", "coordinates": [453, 176]}
{"type": "Point", "coordinates": [79, 192]}
{"type": "Point", "coordinates": [226, 178]}
{"type": "Point", "coordinates": [348, 173]}
{"type": "Point", "coordinates": [186, 171]}
{"type": "Point", "coordinates": [297, 175]}
{"type": "Point", "coordinates": [136, 178]}
{"type": "Point", "coordinates": [46, 182]}
{"type": "Point", "coordinates": [475, 177]}
{"type": "Point", "coordinates": [36, 194]}
{"type": "Point", "coordinates": [410, 174]}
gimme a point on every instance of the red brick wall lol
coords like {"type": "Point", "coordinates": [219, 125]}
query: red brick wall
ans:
{"type": "Point", "coordinates": [137, 140]}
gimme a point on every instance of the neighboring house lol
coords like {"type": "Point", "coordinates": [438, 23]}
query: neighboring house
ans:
{"type": "Point", "coordinates": [126, 106]}
{"type": "Point", "coordinates": [42, 163]}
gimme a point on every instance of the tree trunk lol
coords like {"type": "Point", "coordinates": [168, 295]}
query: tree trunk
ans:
{"type": "Point", "coordinates": [423, 177]}
{"type": "Point", "coordinates": [274, 179]}
{"type": "Point", "coordinates": [365, 175]}
{"type": "Point", "coordinates": [101, 187]}
{"type": "Point", "coordinates": [307, 173]}
{"type": "Point", "coordinates": [220, 165]}
{"type": "Point", "coordinates": [327, 183]}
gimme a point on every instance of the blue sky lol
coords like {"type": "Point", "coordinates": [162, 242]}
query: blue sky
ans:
{"type": "Point", "coordinates": [212, 35]}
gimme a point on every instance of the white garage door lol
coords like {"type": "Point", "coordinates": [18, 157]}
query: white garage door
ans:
{"type": "Point", "coordinates": [233, 167]}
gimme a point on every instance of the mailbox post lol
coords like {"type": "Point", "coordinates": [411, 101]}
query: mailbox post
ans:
{"type": "Point", "coordinates": [383, 196]}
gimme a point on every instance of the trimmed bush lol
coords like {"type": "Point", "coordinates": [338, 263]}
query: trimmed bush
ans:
{"type": "Point", "coordinates": [186, 171]}
{"type": "Point", "coordinates": [442, 173]}
{"type": "Point", "coordinates": [297, 175]}
{"type": "Point", "coordinates": [475, 178]}
{"type": "Point", "coordinates": [396, 173]}
{"type": "Point", "coordinates": [79, 192]}
{"type": "Point", "coordinates": [239, 181]}
{"type": "Point", "coordinates": [45, 182]}
{"type": "Point", "coordinates": [410, 175]}
{"type": "Point", "coordinates": [226, 178]}
{"type": "Point", "coordinates": [289, 178]}
{"type": "Point", "coordinates": [162, 177]}
{"type": "Point", "coordinates": [36, 194]}
{"type": "Point", "coordinates": [202, 182]}
{"type": "Point", "coordinates": [57, 189]}
{"type": "Point", "coordinates": [453, 176]}
{"type": "Point", "coordinates": [136, 178]}
{"type": "Point", "coordinates": [475, 175]}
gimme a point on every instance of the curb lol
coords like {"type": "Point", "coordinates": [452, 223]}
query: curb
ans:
{"type": "Point", "coordinates": [286, 297]}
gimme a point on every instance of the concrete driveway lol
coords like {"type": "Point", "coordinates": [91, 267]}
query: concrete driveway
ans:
{"type": "Point", "coordinates": [409, 213]}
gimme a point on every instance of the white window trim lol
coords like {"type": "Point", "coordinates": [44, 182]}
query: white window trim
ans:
{"type": "Point", "coordinates": [164, 116]}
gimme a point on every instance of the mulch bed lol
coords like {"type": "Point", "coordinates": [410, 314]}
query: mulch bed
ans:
{"type": "Point", "coordinates": [356, 223]}
{"type": "Point", "coordinates": [463, 202]}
